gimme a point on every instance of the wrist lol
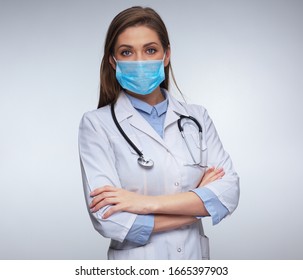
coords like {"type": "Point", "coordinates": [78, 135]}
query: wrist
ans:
{"type": "Point", "coordinates": [153, 205]}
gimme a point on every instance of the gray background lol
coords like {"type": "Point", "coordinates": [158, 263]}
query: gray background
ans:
{"type": "Point", "coordinates": [242, 60]}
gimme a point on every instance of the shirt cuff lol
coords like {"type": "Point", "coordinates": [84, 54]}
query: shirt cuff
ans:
{"type": "Point", "coordinates": [141, 229]}
{"type": "Point", "coordinates": [213, 205]}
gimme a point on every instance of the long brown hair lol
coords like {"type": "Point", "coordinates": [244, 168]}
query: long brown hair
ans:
{"type": "Point", "coordinates": [135, 16]}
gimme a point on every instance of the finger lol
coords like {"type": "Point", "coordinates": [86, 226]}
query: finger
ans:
{"type": "Point", "coordinates": [218, 170]}
{"type": "Point", "coordinates": [102, 190]}
{"type": "Point", "coordinates": [221, 174]}
{"type": "Point", "coordinates": [209, 170]}
{"type": "Point", "coordinates": [98, 198]}
{"type": "Point", "coordinates": [103, 203]}
{"type": "Point", "coordinates": [111, 211]}
{"type": "Point", "coordinates": [208, 173]}
{"type": "Point", "coordinates": [217, 176]}
{"type": "Point", "coordinates": [213, 175]}
{"type": "Point", "coordinates": [215, 172]}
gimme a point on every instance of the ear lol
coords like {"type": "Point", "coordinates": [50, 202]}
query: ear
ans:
{"type": "Point", "coordinates": [112, 62]}
{"type": "Point", "coordinates": [167, 56]}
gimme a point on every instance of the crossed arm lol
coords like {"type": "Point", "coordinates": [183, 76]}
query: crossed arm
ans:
{"type": "Point", "coordinates": [171, 211]}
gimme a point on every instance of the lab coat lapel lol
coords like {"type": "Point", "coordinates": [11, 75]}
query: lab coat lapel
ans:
{"type": "Point", "coordinates": [125, 110]}
{"type": "Point", "coordinates": [174, 110]}
{"type": "Point", "coordinates": [138, 122]}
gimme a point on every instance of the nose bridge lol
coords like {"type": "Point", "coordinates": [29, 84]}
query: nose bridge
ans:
{"type": "Point", "coordinates": [139, 55]}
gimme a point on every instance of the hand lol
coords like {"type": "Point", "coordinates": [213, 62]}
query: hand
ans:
{"type": "Point", "coordinates": [211, 174]}
{"type": "Point", "coordinates": [121, 199]}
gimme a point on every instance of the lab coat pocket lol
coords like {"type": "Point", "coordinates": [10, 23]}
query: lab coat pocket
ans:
{"type": "Point", "coordinates": [204, 243]}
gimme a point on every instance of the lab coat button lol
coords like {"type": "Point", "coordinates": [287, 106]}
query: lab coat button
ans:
{"type": "Point", "coordinates": [179, 250]}
{"type": "Point", "coordinates": [177, 184]}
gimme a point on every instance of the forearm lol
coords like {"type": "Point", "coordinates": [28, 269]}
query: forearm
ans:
{"type": "Point", "coordinates": [170, 222]}
{"type": "Point", "coordinates": [185, 204]}
{"type": "Point", "coordinates": [188, 203]}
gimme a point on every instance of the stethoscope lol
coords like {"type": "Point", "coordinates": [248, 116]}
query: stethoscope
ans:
{"type": "Point", "coordinates": [149, 163]}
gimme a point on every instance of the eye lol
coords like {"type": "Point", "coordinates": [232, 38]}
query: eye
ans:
{"type": "Point", "coordinates": [151, 51]}
{"type": "Point", "coordinates": [126, 53]}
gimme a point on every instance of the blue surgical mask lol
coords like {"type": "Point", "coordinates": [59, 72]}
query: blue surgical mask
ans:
{"type": "Point", "coordinates": [141, 77]}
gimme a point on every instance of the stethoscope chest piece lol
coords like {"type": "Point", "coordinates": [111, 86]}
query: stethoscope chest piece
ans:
{"type": "Point", "coordinates": [145, 163]}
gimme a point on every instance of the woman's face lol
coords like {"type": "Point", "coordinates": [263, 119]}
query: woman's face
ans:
{"type": "Point", "coordinates": [139, 43]}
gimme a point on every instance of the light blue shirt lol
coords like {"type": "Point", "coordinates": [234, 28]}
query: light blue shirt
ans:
{"type": "Point", "coordinates": [154, 115]}
{"type": "Point", "coordinates": [144, 224]}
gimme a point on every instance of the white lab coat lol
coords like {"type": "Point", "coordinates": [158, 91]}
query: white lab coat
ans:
{"type": "Point", "coordinates": [107, 159]}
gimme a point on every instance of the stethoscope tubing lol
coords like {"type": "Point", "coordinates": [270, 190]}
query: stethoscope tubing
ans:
{"type": "Point", "coordinates": [149, 163]}
{"type": "Point", "coordinates": [191, 118]}
{"type": "Point", "coordinates": [140, 154]}
{"type": "Point", "coordinates": [186, 142]}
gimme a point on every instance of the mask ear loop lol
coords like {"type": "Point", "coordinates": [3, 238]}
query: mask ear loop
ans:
{"type": "Point", "coordinates": [116, 62]}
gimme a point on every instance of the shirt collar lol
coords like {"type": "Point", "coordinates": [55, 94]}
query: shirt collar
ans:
{"type": "Point", "coordinates": [125, 109]}
{"type": "Point", "coordinates": [160, 108]}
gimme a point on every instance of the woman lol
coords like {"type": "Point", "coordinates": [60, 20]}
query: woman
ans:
{"type": "Point", "coordinates": [150, 207]}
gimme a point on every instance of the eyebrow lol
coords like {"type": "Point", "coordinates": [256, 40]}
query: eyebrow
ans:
{"type": "Point", "coordinates": [145, 45]}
